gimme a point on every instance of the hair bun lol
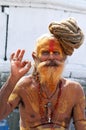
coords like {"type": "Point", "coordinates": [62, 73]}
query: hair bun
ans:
{"type": "Point", "coordinates": [68, 33]}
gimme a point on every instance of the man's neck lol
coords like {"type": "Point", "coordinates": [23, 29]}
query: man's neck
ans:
{"type": "Point", "coordinates": [50, 87]}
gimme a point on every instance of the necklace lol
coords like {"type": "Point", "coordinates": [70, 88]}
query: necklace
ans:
{"type": "Point", "coordinates": [49, 113]}
{"type": "Point", "coordinates": [45, 95]}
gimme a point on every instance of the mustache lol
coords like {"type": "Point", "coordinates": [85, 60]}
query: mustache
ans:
{"type": "Point", "coordinates": [53, 63]}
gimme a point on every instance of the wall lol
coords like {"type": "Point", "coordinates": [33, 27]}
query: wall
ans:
{"type": "Point", "coordinates": [26, 24]}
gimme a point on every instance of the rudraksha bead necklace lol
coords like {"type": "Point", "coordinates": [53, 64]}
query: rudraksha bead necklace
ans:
{"type": "Point", "coordinates": [50, 113]}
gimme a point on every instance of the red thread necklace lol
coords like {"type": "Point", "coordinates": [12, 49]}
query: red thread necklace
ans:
{"type": "Point", "coordinates": [49, 113]}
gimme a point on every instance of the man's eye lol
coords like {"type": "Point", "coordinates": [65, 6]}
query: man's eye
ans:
{"type": "Point", "coordinates": [45, 53]}
{"type": "Point", "coordinates": [56, 53]}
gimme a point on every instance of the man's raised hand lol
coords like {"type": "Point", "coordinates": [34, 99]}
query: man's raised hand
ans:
{"type": "Point", "coordinates": [19, 67]}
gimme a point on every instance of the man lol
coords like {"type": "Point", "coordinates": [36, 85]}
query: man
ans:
{"type": "Point", "coordinates": [46, 100]}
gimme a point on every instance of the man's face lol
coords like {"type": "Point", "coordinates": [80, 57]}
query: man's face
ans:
{"type": "Point", "coordinates": [50, 59]}
{"type": "Point", "coordinates": [50, 50]}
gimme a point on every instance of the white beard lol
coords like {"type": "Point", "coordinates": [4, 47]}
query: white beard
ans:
{"type": "Point", "coordinates": [49, 75]}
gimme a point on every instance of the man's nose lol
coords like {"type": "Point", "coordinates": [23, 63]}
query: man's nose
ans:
{"type": "Point", "coordinates": [51, 56]}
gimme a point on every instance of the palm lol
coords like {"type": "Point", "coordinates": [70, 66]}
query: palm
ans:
{"type": "Point", "coordinates": [19, 67]}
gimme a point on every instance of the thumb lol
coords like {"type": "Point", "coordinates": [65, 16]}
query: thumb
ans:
{"type": "Point", "coordinates": [26, 68]}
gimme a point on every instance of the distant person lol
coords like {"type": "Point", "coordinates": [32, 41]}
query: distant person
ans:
{"type": "Point", "coordinates": [46, 100]}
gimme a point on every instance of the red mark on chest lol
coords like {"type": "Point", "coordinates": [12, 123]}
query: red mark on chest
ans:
{"type": "Point", "coordinates": [51, 45]}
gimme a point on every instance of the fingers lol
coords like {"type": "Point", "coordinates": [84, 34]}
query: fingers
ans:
{"type": "Point", "coordinates": [11, 57]}
{"type": "Point", "coordinates": [26, 65]}
{"type": "Point", "coordinates": [18, 55]}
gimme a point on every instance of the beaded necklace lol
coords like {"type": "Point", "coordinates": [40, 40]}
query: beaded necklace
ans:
{"type": "Point", "coordinates": [50, 114]}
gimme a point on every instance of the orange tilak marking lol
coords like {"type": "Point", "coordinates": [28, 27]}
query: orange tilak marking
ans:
{"type": "Point", "coordinates": [51, 45]}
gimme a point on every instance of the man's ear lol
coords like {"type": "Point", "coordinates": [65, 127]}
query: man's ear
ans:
{"type": "Point", "coordinates": [34, 56]}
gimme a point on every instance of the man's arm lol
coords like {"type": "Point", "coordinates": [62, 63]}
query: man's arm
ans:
{"type": "Point", "coordinates": [18, 69]}
{"type": "Point", "coordinates": [79, 116]}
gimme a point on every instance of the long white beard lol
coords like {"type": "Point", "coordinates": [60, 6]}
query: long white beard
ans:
{"type": "Point", "coordinates": [49, 74]}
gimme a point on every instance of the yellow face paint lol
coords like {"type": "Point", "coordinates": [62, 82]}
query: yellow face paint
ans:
{"type": "Point", "coordinates": [49, 44]}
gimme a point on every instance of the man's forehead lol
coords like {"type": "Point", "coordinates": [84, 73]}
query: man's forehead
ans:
{"type": "Point", "coordinates": [49, 43]}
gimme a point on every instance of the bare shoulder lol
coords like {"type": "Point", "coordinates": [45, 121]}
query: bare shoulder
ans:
{"type": "Point", "coordinates": [25, 80]}
{"type": "Point", "coordinates": [72, 84]}
{"type": "Point", "coordinates": [74, 89]}
{"type": "Point", "coordinates": [24, 85]}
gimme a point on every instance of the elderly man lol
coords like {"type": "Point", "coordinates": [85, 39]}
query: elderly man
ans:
{"type": "Point", "coordinates": [46, 100]}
